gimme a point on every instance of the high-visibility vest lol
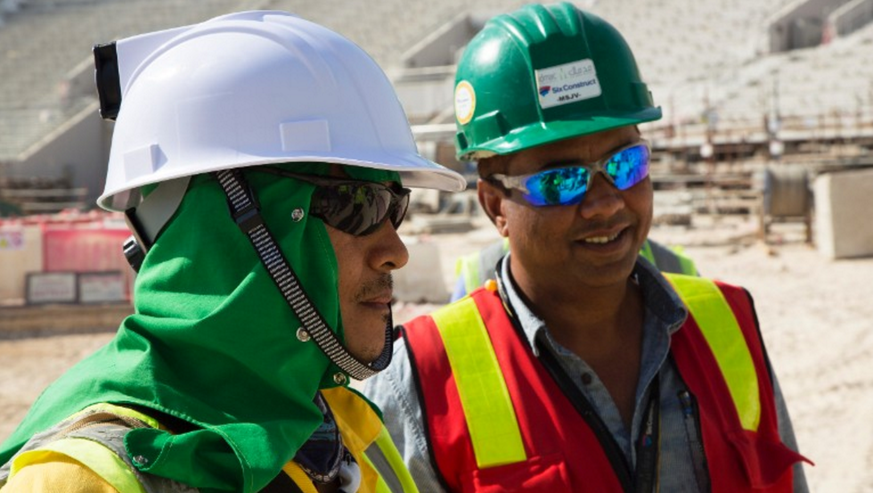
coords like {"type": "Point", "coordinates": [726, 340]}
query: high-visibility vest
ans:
{"type": "Point", "coordinates": [94, 438]}
{"type": "Point", "coordinates": [497, 421]}
{"type": "Point", "coordinates": [477, 267]}
{"type": "Point", "coordinates": [672, 260]}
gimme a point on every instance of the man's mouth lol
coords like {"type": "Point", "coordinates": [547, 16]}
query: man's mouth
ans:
{"type": "Point", "coordinates": [380, 299]}
{"type": "Point", "coordinates": [602, 239]}
{"type": "Point", "coordinates": [379, 291]}
{"type": "Point", "coordinates": [604, 236]}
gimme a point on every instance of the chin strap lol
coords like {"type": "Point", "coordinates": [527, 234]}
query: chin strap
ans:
{"type": "Point", "coordinates": [245, 210]}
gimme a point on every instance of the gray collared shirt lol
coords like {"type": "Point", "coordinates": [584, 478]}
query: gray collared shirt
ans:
{"type": "Point", "coordinates": [394, 391]}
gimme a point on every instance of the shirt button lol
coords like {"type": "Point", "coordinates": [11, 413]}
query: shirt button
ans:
{"type": "Point", "coordinates": [586, 378]}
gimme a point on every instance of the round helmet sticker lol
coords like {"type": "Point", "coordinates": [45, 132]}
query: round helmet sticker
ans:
{"type": "Point", "coordinates": [465, 102]}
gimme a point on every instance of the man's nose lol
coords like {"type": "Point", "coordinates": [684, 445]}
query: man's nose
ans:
{"type": "Point", "coordinates": [388, 250]}
{"type": "Point", "coordinates": [602, 199]}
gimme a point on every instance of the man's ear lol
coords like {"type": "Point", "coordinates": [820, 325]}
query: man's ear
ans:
{"type": "Point", "coordinates": [491, 199]}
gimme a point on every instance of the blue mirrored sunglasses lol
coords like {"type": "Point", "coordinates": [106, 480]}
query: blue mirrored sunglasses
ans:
{"type": "Point", "coordinates": [567, 185]}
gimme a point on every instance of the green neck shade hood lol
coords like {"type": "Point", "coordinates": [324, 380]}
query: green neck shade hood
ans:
{"type": "Point", "coordinates": [213, 342]}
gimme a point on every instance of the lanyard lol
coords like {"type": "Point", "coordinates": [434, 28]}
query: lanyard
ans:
{"type": "Point", "coordinates": [648, 443]}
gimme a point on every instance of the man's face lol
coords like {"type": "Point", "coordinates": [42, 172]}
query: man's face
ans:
{"type": "Point", "coordinates": [365, 286]}
{"type": "Point", "coordinates": [593, 244]}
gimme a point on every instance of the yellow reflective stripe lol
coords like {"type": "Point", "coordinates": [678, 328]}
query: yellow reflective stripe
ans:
{"type": "Point", "coordinates": [362, 428]}
{"type": "Point", "coordinates": [685, 262]}
{"type": "Point", "coordinates": [725, 338]}
{"type": "Point", "coordinates": [646, 252]}
{"type": "Point", "coordinates": [392, 455]}
{"type": "Point", "coordinates": [100, 459]}
{"type": "Point", "coordinates": [381, 485]}
{"type": "Point", "coordinates": [299, 476]}
{"type": "Point", "coordinates": [484, 396]}
{"type": "Point", "coordinates": [126, 412]}
{"type": "Point", "coordinates": [687, 265]}
{"type": "Point", "coordinates": [470, 271]}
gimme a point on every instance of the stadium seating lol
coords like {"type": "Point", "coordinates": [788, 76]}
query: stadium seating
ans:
{"type": "Point", "coordinates": [696, 55]}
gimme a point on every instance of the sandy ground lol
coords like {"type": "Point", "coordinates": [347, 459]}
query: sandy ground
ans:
{"type": "Point", "coordinates": [815, 315]}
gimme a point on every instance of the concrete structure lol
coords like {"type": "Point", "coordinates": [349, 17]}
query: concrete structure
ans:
{"type": "Point", "coordinates": [421, 280]}
{"type": "Point", "coordinates": [712, 61]}
{"type": "Point", "coordinates": [843, 203]}
{"type": "Point", "coordinates": [850, 17]}
{"type": "Point", "coordinates": [801, 24]}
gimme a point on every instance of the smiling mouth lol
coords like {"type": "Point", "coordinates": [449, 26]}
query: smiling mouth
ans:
{"type": "Point", "coordinates": [601, 240]}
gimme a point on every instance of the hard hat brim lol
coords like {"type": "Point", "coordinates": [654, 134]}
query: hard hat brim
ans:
{"type": "Point", "coordinates": [415, 172]}
{"type": "Point", "coordinates": [540, 133]}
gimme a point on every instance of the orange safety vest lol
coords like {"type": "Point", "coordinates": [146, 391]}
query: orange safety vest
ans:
{"type": "Point", "coordinates": [497, 421]}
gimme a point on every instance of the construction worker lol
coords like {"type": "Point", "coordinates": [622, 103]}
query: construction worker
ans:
{"type": "Point", "coordinates": [582, 367]}
{"type": "Point", "coordinates": [474, 269]}
{"type": "Point", "coordinates": [261, 160]}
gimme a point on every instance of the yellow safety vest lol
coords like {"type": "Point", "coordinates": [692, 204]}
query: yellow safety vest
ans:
{"type": "Point", "coordinates": [362, 430]}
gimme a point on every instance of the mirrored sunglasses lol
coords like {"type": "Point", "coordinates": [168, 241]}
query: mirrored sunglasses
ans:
{"type": "Point", "coordinates": [355, 207]}
{"type": "Point", "coordinates": [567, 185]}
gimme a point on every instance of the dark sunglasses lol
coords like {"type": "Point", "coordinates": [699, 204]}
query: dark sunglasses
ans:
{"type": "Point", "coordinates": [355, 207]}
{"type": "Point", "coordinates": [567, 185]}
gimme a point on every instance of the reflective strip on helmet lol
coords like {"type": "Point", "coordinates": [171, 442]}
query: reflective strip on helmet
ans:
{"type": "Point", "coordinates": [484, 396]}
{"type": "Point", "coordinates": [719, 326]}
{"type": "Point", "coordinates": [100, 459]}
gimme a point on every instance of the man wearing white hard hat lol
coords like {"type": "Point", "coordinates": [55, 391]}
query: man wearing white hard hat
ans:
{"type": "Point", "coordinates": [261, 161]}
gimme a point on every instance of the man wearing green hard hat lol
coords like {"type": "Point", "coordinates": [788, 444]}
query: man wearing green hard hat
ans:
{"type": "Point", "coordinates": [582, 367]}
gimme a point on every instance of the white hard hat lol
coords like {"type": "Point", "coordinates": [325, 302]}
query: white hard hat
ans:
{"type": "Point", "coordinates": [255, 88]}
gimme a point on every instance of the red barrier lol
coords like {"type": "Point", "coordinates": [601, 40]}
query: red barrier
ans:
{"type": "Point", "coordinates": [85, 247]}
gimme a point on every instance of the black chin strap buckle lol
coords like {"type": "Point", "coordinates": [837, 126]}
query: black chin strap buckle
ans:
{"type": "Point", "coordinates": [249, 218]}
{"type": "Point", "coordinates": [133, 253]}
{"type": "Point", "coordinates": [137, 244]}
{"type": "Point", "coordinates": [241, 200]}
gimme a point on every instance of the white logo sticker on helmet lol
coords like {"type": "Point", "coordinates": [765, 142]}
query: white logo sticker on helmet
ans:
{"type": "Point", "coordinates": [568, 83]}
{"type": "Point", "coordinates": [465, 102]}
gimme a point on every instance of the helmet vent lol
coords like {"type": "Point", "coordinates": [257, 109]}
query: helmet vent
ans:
{"type": "Point", "coordinates": [142, 161]}
{"type": "Point", "coordinates": [312, 135]}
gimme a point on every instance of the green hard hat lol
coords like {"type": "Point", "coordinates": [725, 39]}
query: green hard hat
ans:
{"type": "Point", "coordinates": [542, 74]}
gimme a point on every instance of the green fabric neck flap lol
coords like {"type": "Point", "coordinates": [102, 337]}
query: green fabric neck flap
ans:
{"type": "Point", "coordinates": [213, 342]}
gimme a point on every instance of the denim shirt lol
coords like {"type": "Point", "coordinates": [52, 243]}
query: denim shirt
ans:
{"type": "Point", "coordinates": [681, 470]}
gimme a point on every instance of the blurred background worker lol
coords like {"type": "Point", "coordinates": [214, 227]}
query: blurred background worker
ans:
{"type": "Point", "coordinates": [582, 368]}
{"type": "Point", "coordinates": [261, 161]}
